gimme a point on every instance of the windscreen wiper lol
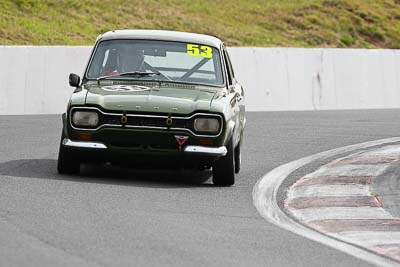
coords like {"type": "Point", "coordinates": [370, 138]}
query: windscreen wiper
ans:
{"type": "Point", "coordinates": [139, 73]}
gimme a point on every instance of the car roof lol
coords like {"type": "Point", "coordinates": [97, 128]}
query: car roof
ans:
{"type": "Point", "coordinates": [162, 35]}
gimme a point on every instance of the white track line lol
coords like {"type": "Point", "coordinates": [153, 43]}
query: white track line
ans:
{"type": "Point", "coordinates": [385, 151]}
{"type": "Point", "coordinates": [265, 200]}
{"type": "Point", "coordinates": [370, 238]}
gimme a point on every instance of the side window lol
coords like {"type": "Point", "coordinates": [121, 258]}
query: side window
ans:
{"type": "Point", "coordinates": [228, 67]}
{"type": "Point", "coordinates": [230, 63]}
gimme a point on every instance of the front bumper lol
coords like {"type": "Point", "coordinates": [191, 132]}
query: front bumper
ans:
{"type": "Point", "coordinates": [193, 150]}
{"type": "Point", "coordinates": [85, 145]}
{"type": "Point", "coordinates": [204, 150]}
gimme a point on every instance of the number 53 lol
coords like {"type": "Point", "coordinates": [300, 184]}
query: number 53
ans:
{"type": "Point", "coordinates": [196, 50]}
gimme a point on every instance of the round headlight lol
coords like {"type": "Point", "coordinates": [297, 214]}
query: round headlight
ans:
{"type": "Point", "coordinates": [206, 125]}
{"type": "Point", "coordinates": [85, 118]}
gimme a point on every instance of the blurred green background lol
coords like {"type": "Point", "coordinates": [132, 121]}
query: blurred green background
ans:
{"type": "Point", "coordinates": [296, 23]}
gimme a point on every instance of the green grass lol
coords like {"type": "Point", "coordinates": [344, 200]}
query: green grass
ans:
{"type": "Point", "coordinates": [298, 23]}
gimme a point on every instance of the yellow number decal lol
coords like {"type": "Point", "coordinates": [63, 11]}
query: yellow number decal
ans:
{"type": "Point", "coordinates": [193, 50]}
{"type": "Point", "coordinates": [206, 51]}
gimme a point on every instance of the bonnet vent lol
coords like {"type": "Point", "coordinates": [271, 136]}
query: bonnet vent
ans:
{"type": "Point", "coordinates": [178, 85]}
{"type": "Point", "coordinates": [153, 84]}
{"type": "Point", "coordinates": [149, 84]}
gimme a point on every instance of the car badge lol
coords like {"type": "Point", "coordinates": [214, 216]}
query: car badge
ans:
{"type": "Point", "coordinates": [181, 140]}
{"type": "Point", "coordinates": [124, 119]}
{"type": "Point", "coordinates": [169, 120]}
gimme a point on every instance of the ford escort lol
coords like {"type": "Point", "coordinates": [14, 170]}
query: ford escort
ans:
{"type": "Point", "coordinates": [156, 99]}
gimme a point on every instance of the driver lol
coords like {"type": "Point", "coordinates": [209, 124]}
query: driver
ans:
{"type": "Point", "coordinates": [132, 60]}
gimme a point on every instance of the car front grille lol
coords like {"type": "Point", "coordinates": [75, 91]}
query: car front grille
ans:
{"type": "Point", "coordinates": [147, 121]}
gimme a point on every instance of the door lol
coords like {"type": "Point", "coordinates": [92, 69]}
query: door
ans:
{"type": "Point", "coordinates": [238, 97]}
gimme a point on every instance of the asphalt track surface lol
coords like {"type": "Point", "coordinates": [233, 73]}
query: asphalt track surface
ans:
{"type": "Point", "coordinates": [109, 216]}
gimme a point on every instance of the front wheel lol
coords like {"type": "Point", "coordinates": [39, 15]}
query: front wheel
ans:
{"type": "Point", "coordinates": [238, 157]}
{"type": "Point", "coordinates": [224, 168]}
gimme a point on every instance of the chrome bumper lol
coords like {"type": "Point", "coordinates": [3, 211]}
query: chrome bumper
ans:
{"type": "Point", "coordinates": [195, 150]}
{"type": "Point", "coordinates": [82, 144]}
{"type": "Point", "coordinates": [204, 150]}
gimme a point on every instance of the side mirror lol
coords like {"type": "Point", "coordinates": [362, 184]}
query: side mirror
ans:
{"type": "Point", "coordinates": [74, 80]}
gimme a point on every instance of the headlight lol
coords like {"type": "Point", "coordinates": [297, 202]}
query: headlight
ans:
{"type": "Point", "coordinates": [207, 125]}
{"type": "Point", "coordinates": [85, 118]}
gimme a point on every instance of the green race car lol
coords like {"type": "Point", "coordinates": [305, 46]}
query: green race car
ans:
{"type": "Point", "coordinates": [156, 99]}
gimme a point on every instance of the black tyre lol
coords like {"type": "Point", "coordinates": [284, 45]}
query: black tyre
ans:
{"type": "Point", "coordinates": [67, 163]}
{"type": "Point", "coordinates": [224, 168]}
{"type": "Point", "coordinates": [238, 157]}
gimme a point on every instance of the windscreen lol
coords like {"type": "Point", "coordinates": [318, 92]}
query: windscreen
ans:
{"type": "Point", "coordinates": [173, 61]}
